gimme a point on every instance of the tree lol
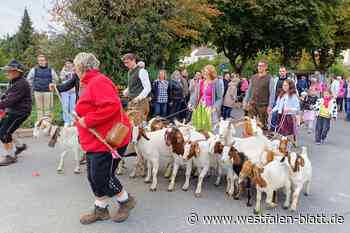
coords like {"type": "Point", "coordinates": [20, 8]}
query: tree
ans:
{"type": "Point", "coordinates": [333, 36]}
{"type": "Point", "coordinates": [158, 31]}
{"type": "Point", "coordinates": [24, 36]}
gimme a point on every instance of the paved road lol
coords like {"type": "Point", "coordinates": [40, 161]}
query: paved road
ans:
{"type": "Point", "coordinates": [52, 203]}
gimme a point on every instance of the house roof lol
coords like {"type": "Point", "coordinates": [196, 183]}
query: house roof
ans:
{"type": "Point", "coordinates": [204, 51]}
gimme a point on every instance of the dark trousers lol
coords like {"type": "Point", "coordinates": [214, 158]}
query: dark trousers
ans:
{"type": "Point", "coordinates": [226, 112]}
{"type": "Point", "coordinates": [260, 112]}
{"type": "Point", "coordinates": [174, 109]}
{"type": "Point", "coordinates": [322, 128]}
{"type": "Point", "coordinates": [101, 173]}
{"type": "Point", "coordinates": [340, 101]}
{"type": "Point", "coordinates": [348, 109]}
{"type": "Point", "coordinates": [160, 109]}
{"type": "Point", "coordinates": [9, 124]}
{"type": "Point", "coordinates": [274, 121]}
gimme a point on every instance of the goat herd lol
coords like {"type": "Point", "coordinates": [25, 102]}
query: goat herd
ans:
{"type": "Point", "coordinates": [268, 164]}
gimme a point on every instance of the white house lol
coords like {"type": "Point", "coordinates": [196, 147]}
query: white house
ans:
{"type": "Point", "coordinates": [199, 53]}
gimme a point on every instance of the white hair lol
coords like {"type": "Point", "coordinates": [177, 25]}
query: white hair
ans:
{"type": "Point", "coordinates": [86, 61]}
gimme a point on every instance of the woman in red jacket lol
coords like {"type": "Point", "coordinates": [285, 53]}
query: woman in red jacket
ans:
{"type": "Point", "coordinates": [100, 108]}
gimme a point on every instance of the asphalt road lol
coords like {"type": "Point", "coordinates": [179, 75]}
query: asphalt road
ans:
{"type": "Point", "coordinates": [52, 203]}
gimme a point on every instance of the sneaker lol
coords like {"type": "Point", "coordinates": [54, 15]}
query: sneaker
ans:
{"type": "Point", "coordinates": [124, 210]}
{"type": "Point", "coordinates": [97, 214]}
{"type": "Point", "coordinates": [7, 160]}
{"type": "Point", "coordinates": [318, 143]}
{"type": "Point", "coordinates": [20, 149]}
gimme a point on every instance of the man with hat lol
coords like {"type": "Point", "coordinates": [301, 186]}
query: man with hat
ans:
{"type": "Point", "coordinates": [16, 103]}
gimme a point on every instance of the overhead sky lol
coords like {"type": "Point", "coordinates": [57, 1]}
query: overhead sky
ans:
{"type": "Point", "coordinates": [11, 12]}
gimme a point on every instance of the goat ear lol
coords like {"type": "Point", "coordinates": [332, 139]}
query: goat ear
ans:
{"type": "Point", "coordinates": [270, 156]}
{"type": "Point", "coordinates": [196, 149]}
{"type": "Point", "coordinates": [257, 177]}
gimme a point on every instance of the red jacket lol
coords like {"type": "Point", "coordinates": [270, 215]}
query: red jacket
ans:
{"type": "Point", "coordinates": [100, 106]}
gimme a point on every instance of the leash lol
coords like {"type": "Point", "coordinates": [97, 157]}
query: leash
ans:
{"type": "Point", "coordinates": [114, 153]}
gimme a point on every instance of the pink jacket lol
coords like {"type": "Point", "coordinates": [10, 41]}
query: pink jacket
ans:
{"type": "Point", "coordinates": [244, 85]}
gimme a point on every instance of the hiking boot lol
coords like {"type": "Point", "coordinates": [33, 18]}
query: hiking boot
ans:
{"type": "Point", "coordinates": [124, 210]}
{"type": "Point", "coordinates": [97, 214]}
{"type": "Point", "coordinates": [20, 149]}
{"type": "Point", "coordinates": [7, 160]}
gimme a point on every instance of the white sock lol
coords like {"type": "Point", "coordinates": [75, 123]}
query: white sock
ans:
{"type": "Point", "coordinates": [101, 204]}
{"type": "Point", "coordinates": [10, 152]}
{"type": "Point", "coordinates": [122, 197]}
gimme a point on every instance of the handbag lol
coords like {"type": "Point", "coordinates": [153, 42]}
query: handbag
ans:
{"type": "Point", "coordinates": [117, 133]}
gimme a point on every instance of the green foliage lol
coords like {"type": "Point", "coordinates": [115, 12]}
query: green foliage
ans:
{"type": "Point", "coordinates": [24, 36]}
{"type": "Point", "coordinates": [273, 59]}
{"type": "Point", "coordinates": [199, 65]}
{"type": "Point", "coordinates": [339, 69]}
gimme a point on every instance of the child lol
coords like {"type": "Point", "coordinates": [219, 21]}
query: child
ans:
{"type": "Point", "coordinates": [287, 107]}
{"type": "Point", "coordinates": [307, 103]}
{"type": "Point", "coordinates": [326, 108]}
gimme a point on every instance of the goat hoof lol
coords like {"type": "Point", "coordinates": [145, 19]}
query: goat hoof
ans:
{"type": "Point", "coordinates": [249, 204]}
{"type": "Point", "coordinates": [132, 176]}
{"type": "Point", "coordinates": [285, 207]}
{"type": "Point", "coordinates": [76, 172]}
{"type": "Point", "coordinates": [153, 189]}
{"type": "Point", "coordinates": [306, 194]}
{"type": "Point", "coordinates": [236, 198]}
{"type": "Point", "coordinates": [292, 210]}
{"type": "Point", "coordinates": [217, 184]}
{"type": "Point", "coordinates": [271, 206]}
{"type": "Point", "coordinates": [256, 212]}
{"type": "Point", "coordinates": [198, 195]}
{"type": "Point", "coordinates": [147, 181]}
{"type": "Point", "coordinates": [185, 189]}
{"type": "Point", "coordinates": [171, 190]}
{"type": "Point", "coordinates": [59, 171]}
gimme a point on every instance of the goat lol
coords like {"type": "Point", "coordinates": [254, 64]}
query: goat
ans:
{"type": "Point", "coordinates": [67, 137]}
{"type": "Point", "coordinates": [177, 141]}
{"type": "Point", "coordinates": [151, 147]}
{"type": "Point", "coordinates": [301, 175]}
{"type": "Point", "coordinates": [269, 178]}
{"type": "Point", "coordinates": [198, 151]}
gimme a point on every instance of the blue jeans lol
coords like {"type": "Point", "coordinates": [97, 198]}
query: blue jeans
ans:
{"type": "Point", "coordinates": [68, 106]}
{"type": "Point", "coordinates": [226, 112]}
{"type": "Point", "coordinates": [160, 109]}
{"type": "Point", "coordinates": [322, 128]}
{"type": "Point", "coordinates": [274, 121]}
{"type": "Point", "coordinates": [348, 109]}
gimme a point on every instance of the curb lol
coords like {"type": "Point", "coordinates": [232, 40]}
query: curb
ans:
{"type": "Point", "coordinates": [24, 133]}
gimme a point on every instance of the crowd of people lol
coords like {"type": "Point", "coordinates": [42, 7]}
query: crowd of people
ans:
{"type": "Point", "coordinates": [280, 103]}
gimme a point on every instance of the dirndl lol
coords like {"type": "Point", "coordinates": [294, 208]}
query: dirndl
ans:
{"type": "Point", "coordinates": [286, 125]}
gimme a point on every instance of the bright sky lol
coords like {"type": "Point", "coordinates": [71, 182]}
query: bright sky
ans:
{"type": "Point", "coordinates": [11, 12]}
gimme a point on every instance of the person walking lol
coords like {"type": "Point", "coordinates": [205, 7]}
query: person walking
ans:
{"type": "Point", "coordinates": [100, 108]}
{"type": "Point", "coordinates": [348, 99]}
{"type": "Point", "coordinates": [16, 106]}
{"type": "Point", "coordinates": [160, 94]}
{"type": "Point", "coordinates": [68, 97]}
{"type": "Point", "coordinates": [40, 78]}
{"type": "Point", "coordinates": [287, 107]}
{"type": "Point", "coordinates": [335, 86]}
{"type": "Point", "coordinates": [176, 96]}
{"type": "Point", "coordinates": [212, 93]}
{"type": "Point", "coordinates": [341, 94]}
{"type": "Point", "coordinates": [230, 97]}
{"type": "Point", "coordinates": [194, 89]}
{"type": "Point", "coordinates": [307, 102]}
{"type": "Point", "coordinates": [302, 85]}
{"type": "Point", "coordinates": [278, 89]}
{"type": "Point", "coordinates": [326, 109]}
{"type": "Point", "coordinates": [260, 95]}
{"type": "Point", "coordinates": [139, 87]}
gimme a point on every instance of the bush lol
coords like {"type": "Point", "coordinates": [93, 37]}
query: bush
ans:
{"type": "Point", "coordinates": [339, 69]}
{"type": "Point", "coordinates": [57, 115]}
